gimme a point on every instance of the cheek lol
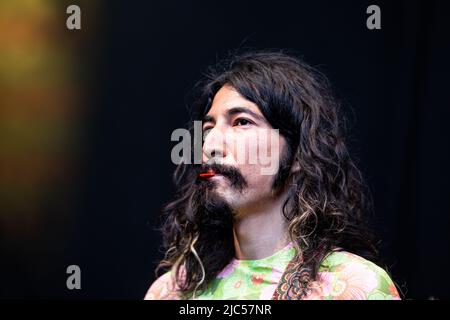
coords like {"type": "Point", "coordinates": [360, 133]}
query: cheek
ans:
{"type": "Point", "coordinates": [255, 180]}
{"type": "Point", "coordinates": [257, 154]}
{"type": "Point", "coordinates": [260, 149]}
{"type": "Point", "coordinates": [251, 147]}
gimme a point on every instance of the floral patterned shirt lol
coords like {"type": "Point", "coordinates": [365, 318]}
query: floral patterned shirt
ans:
{"type": "Point", "coordinates": [342, 276]}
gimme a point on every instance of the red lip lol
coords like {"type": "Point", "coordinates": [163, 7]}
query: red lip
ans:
{"type": "Point", "coordinates": [208, 174]}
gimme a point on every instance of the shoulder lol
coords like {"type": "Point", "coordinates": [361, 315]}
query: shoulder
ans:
{"type": "Point", "coordinates": [346, 276]}
{"type": "Point", "coordinates": [164, 288]}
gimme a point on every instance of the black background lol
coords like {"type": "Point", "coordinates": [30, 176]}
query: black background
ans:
{"type": "Point", "coordinates": [146, 57]}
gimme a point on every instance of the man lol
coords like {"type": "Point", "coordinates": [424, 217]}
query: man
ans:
{"type": "Point", "coordinates": [235, 232]}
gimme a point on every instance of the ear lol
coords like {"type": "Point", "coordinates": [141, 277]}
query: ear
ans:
{"type": "Point", "coordinates": [295, 166]}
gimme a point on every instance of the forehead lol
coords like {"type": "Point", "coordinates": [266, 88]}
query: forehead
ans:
{"type": "Point", "coordinates": [227, 98]}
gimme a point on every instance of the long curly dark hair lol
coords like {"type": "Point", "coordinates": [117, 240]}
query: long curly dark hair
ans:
{"type": "Point", "coordinates": [328, 203]}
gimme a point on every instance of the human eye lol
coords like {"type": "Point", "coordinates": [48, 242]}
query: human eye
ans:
{"type": "Point", "coordinates": [242, 122]}
{"type": "Point", "coordinates": [207, 125]}
{"type": "Point", "coordinates": [206, 129]}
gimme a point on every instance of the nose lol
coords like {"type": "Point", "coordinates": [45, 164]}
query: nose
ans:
{"type": "Point", "coordinates": [214, 149]}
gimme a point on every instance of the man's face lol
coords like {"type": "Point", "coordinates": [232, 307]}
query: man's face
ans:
{"type": "Point", "coordinates": [236, 132]}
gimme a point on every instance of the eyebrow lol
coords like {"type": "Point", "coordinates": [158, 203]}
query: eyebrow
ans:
{"type": "Point", "coordinates": [236, 110]}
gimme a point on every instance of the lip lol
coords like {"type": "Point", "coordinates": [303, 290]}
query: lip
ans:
{"type": "Point", "coordinates": [217, 177]}
{"type": "Point", "coordinates": [208, 174]}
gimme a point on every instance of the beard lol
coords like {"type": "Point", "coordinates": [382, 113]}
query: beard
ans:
{"type": "Point", "coordinates": [232, 174]}
{"type": "Point", "coordinates": [203, 212]}
{"type": "Point", "coordinates": [211, 216]}
{"type": "Point", "coordinates": [212, 209]}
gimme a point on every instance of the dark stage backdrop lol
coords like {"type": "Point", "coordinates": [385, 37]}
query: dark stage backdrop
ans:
{"type": "Point", "coordinates": [137, 70]}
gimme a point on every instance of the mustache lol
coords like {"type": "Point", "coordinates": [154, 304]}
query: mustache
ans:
{"type": "Point", "coordinates": [233, 174]}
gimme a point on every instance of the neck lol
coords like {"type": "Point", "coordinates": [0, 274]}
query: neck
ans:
{"type": "Point", "coordinates": [260, 231]}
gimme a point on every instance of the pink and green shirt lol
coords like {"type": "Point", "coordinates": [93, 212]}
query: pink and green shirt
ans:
{"type": "Point", "coordinates": [342, 276]}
